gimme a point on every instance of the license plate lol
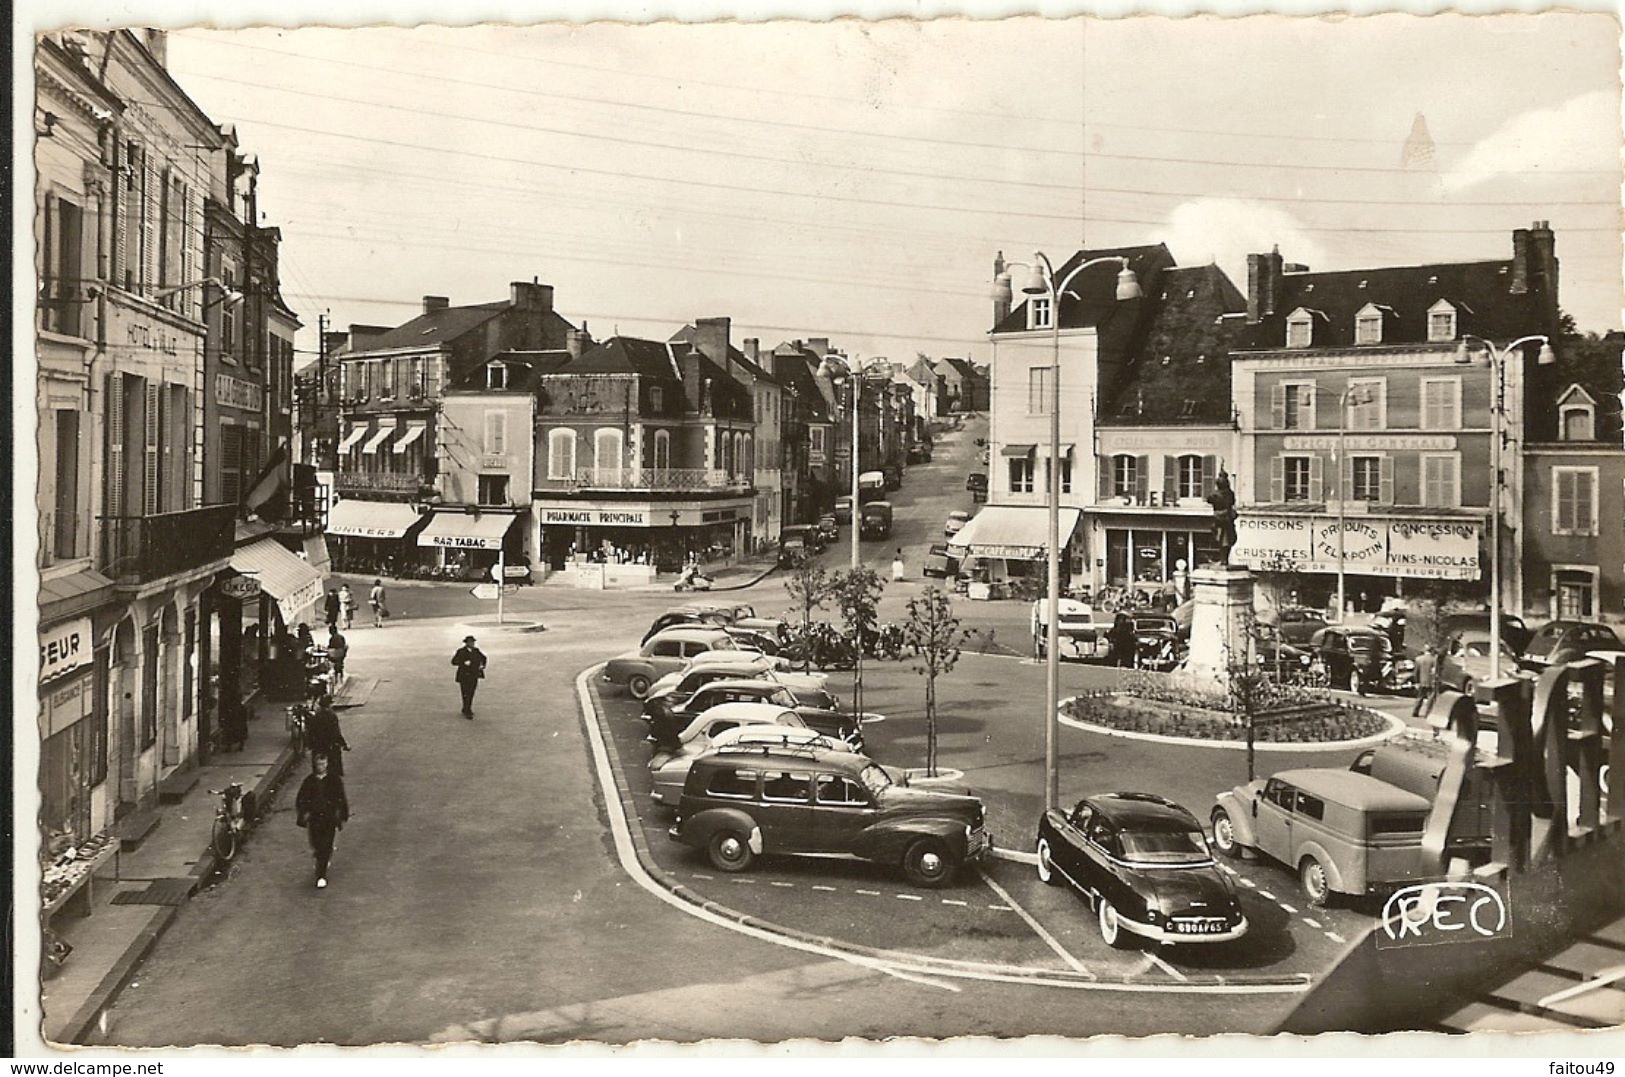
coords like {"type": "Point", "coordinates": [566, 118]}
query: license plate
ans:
{"type": "Point", "coordinates": [1199, 927]}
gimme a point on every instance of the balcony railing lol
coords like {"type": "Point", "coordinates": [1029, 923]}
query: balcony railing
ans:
{"type": "Point", "coordinates": [60, 304]}
{"type": "Point", "coordinates": [62, 536]}
{"type": "Point", "coordinates": [141, 549]}
{"type": "Point", "coordinates": [651, 479]}
{"type": "Point", "coordinates": [393, 482]}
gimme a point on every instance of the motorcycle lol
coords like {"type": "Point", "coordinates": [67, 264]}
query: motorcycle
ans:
{"type": "Point", "coordinates": [693, 579]}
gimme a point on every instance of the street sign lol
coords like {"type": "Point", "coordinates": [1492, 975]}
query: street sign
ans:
{"type": "Point", "coordinates": [496, 572]}
{"type": "Point", "coordinates": [484, 591]}
{"type": "Point", "coordinates": [509, 588]}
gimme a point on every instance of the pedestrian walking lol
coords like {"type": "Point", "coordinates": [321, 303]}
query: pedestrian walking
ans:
{"type": "Point", "coordinates": [347, 606]}
{"type": "Point", "coordinates": [322, 809]}
{"type": "Point", "coordinates": [324, 736]}
{"type": "Point", "coordinates": [338, 649]}
{"type": "Point", "coordinates": [375, 598]}
{"type": "Point", "coordinates": [332, 609]}
{"type": "Point", "coordinates": [470, 663]}
{"type": "Point", "coordinates": [1122, 638]}
{"type": "Point", "coordinates": [897, 566]}
{"type": "Point", "coordinates": [1427, 682]}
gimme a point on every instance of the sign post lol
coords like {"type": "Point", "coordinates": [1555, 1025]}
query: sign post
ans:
{"type": "Point", "coordinates": [500, 581]}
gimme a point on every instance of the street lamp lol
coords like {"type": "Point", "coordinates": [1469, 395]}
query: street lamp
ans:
{"type": "Point", "coordinates": [839, 371]}
{"type": "Point", "coordinates": [1352, 394]}
{"type": "Point", "coordinates": [1041, 281]}
{"type": "Point", "coordinates": [229, 296]}
{"type": "Point", "coordinates": [1464, 356]}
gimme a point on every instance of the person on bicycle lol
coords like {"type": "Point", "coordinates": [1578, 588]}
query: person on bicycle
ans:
{"type": "Point", "coordinates": [322, 809]}
{"type": "Point", "coordinates": [324, 736]}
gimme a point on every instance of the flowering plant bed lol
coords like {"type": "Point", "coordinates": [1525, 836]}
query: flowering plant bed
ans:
{"type": "Point", "coordinates": [1303, 723]}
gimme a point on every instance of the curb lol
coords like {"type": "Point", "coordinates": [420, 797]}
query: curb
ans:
{"type": "Point", "coordinates": [506, 626]}
{"type": "Point", "coordinates": [872, 957]}
{"type": "Point", "coordinates": [1396, 726]}
{"type": "Point", "coordinates": [124, 969]}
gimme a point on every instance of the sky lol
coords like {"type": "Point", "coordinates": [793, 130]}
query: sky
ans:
{"type": "Point", "coordinates": [853, 180]}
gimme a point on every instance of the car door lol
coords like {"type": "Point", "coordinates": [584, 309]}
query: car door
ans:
{"type": "Point", "coordinates": [1272, 819]}
{"type": "Point", "coordinates": [1094, 864]}
{"type": "Point", "coordinates": [842, 811]}
{"type": "Point", "coordinates": [1066, 851]}
{"type": "Point", "coordinates": [786, 815]}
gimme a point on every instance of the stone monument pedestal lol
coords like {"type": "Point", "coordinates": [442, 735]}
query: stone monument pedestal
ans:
{"type": "Point", "coordinates": [1223, 610]}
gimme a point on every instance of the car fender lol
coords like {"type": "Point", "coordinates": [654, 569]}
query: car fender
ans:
{"type": "Point", "coordinates": [1334, 877]}
{"type": "Point", "coordinates": [1241, 817]}
{"type": "Point", "coordinates": [697, 829]}
{"type": "Point", "coordinates": [885, 841]}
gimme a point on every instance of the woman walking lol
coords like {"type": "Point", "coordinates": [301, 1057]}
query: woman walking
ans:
{"type": "Point", "coordinates": [347, 606]}
{"type": "Point", "coordinates": [322, 809]}
{"type": "Point", "coordinates": [375, 598]}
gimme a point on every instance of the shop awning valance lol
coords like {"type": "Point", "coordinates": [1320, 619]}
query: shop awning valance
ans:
{"type": "Point", "coordinates": [282, 575]}
{"type": "Point", "coordinates": [1013, 532]}
{"type": "Point", "coordinates": [1017, 450]}
{"type": "Point", "coordinates": [467, 532]}
{"type": "Point", "coordinates": [377, 439]}
{"type": "Point", "coordinates": [371, 519]}
{"type": "Point", "coordinates": [413, 432]}
{"type": "Point", "coordinates": [356, 434]}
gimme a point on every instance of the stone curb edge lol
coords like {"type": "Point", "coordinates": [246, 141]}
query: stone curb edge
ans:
{"type": "Point", "coordinates": [123, 971]}
{"type": "Point", "coordinates": [866, 953]}
{"type": "Point", "coordinates": [1396, 726]}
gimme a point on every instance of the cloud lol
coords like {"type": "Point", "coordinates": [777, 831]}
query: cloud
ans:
{"type": "Point", "coordinates": [1226, 230]}
{"type": "Point", "coordinates": [1581, 133]}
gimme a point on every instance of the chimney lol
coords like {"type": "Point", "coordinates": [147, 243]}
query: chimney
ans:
{"type": "Point", "coordinates": [753, 349]}
{"type": "Point", "coordinates": [1543, 264]}
{"type": "Point", "coordinates": [711, 338]}
{"type": "Point", "coordinates": [1001, 305]}
{"type": "Point", "coordinates": [530, 295]}
{"type": "Point", "coordinates": [1263, 284]}
{"type": "Point", "coordinates": [157, 42]}
{"type": "Point", "coordinates": [689, 363]}
{"type": "Point", "coordinates": [432, 303]}
{"type": "Point", "coordinates": [819, 346]}
{"type": "Point", "coordinates": [1520, 261]}
{"type": "Point", "coordinates": [576, 342]}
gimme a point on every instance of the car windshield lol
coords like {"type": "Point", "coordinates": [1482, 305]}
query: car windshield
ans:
{"type": "Point", "coordinates": [1544, 642]}
{"type": "Point", "coordinates": [1165, 846]}
{"type": "Point", "coordinates": [1369, 644]}
{"type": "Point", "coordinates": [873, 778]}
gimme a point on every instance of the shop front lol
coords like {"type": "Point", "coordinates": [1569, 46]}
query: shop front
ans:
{"type": "Point", "coordinates": [249, 614]}
{"type": "Point", "coordinates": [73, 732]}
{"type": "Point", "coordinates": [374, 538]}
{"type": "Point", "coordinates": [1152, 552]}
{"type": "Point", "coordinates": [622, 544]}
{"type": "Point", "coordinates": [1002, 550]}
{"type": "Point", "coordinates": [471, 543]}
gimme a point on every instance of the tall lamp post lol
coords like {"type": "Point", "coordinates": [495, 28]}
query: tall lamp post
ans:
{"type": "Point", "coordinates": [1464, 356]}
{"type": "Point", "coordinates": [1041, 282]}
{"type": "Point", "coordinates": [1352, 394]}
{"type": "Point", "coordinates": [838, 370]}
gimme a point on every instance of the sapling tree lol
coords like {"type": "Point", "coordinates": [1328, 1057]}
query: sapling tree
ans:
{"type": "Point", "coordinates": [810, 587]}
{"type": "Point", "coordinates": [933, 633]}
{"type": "Point", "coordinates": [856, 594]}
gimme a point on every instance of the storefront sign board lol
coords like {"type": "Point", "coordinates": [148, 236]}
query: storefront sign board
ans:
{"type": "Point", "coordinates": [66, 704]}
{"type": "Point", "coordinates": [1413, 549]}
{"type": "Point", "coordinates": [64, 648]}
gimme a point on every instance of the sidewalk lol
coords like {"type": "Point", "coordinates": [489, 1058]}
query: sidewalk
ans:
{"type": "Point", "coordinates": [174, 859]}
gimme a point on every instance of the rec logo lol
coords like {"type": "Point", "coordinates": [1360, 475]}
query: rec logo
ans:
{"type": "Point", "coordinates": [1441, 911]}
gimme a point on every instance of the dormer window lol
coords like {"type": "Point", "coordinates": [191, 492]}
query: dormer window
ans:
{"type": "Point", "coordinates": [657, 398]}
{"type": "Point", "coordinates": [1441, 321]}
{"type": "Point", "coordinates": [1299, 329]}
{"type": "Point", "coordinates": [1576, 416]}
{"type": "Point", "coordinates": [496, 376]}
{"type": "Point", "coordinates": [1040, 314]}
{"type": "Point", "coordinates": [1368, 325]}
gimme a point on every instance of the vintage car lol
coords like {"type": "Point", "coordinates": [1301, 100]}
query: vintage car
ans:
{"type": "Point", "coordinates": [702, 669]}
{"type": "Point", "coordinates": [1361, 660]}
{"type": "Point", "coordinates": [876, 520]}
{"type": "Point", "coordinates": [829, 528]}
{"type": "Point", "coordinates": [669, 770]}
{"type": "Point", "coordinates": [1466, 665]}
{"type": "Point", "coordinates": [661, 654]}
{"type": "Point", "coordinates": [843, 509]}
{"type": "Point", "coordinates": [871, 486]}
{"type": "Point", "coordinates": [702, 613]}
{"type": "Point", "coordinates": [740, 804]}
{"type": "Point", "coordinates": [940, 563]}
{"type": "Point", "coordinates": [1084, 632]}
{"type": "Point", "coordinates": [669, 718]}
{"type": "Point", "coordinates": [976, 482]}
{"type": "Point", "coordinates": [955, 523]}
{"type": "Point", "coordinates": [1567, 641]}
{"type": "Point", "coordinates": [1144, 864]}
{"type": "Point", "coordinates": [1342, 832]}
{"type": "Point", "coordinates": [1295, 624]}
{"type": "Point", "coordinates": [1156, 641]}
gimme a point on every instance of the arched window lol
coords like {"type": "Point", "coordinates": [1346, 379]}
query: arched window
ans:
{"type": "Point", "coordinates": [561, 454]}
{"type": "Point", "coordinates": [607, 454]}
{"type": "Point", "coordinates": [748, 456]}
{"type": "Point", "coordinates": [725, 453]}
{"type": "Point", "coordinates": [662, 458]}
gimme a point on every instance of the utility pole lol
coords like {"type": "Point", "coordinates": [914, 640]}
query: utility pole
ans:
{"type": "Point", "coordinates": [318, 454]}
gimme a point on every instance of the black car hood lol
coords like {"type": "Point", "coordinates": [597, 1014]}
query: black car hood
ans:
{"type": "Point", "coordinates": [1181, 889]}
{"type": "Point", "coordinates": [935, 799]}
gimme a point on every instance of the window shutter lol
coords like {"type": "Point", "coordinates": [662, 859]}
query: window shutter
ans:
{"type": "Point", "coordinates": [1210, 474]}
{"type": "Point", "coordinates": [1170, 478]}
{"type": "Point", "coordinates": [166, 252]}
{"type": "Point", "coordinates": [1278, 407]}
{"type": "Point", "coordinates": [1105, 465]}
{"type": "Point", "coordinates": [121, 213]}
{"type": "Point", "coordinates": [149, 500]}
{"type": "Point", "coordinates": [1317, 479]}
{"type": "Point", "coordinates": [1142, 477]}
{"type": "Point", "coordinates": [1385, 480]}
{"type": "Point", "coordinates": [149, 238]}
{"type": "Point", "coordinates": [115, 444]}
{"type": "Point", "coordinates": [1307, 409]}
{"type": "Point", "coordinates": [1277, 479]}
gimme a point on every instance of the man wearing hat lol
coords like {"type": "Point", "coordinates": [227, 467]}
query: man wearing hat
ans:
{"type": "Point", "coordinates": [470, 663]}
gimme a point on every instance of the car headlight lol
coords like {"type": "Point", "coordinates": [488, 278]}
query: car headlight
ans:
{"type": "Point", "coordinates": [1406, 664]}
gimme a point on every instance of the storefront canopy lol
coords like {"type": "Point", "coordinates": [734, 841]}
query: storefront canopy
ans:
{"type": "Point", "coordinates": [1014, 532]}
{"type": "Point", "coordinates": [413, 432]}
{"type": "Point", "coordinates": [464, 532]}
{"type": "Point", "coordinates": [379, 436]}
{"type": "Point", "coordinates": [371, 519]}
{"type": "Point", "coordinates": [294, 585]}
{"type": "Point", "coordinates": [356, 434]}
{"type": "Point", "coordinates": [1017, 450]}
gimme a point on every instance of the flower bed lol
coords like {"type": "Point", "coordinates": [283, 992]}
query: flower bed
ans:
{"type": "Point", "coordinates": [1305, 724]}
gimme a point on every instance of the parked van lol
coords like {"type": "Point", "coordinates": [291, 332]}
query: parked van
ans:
{"type": "Point", "coordinates": [871, 486]}
{"type": "Point", "coordinates": [1341, 832]}
{"type": "Point", "coordinates": [1416, 763]}
{"type": "Point", "coordinates": [877, 520]}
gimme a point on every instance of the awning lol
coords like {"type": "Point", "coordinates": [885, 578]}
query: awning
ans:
{"type": "Point", "coordinates": [413, 432]}
{"type": "Point", "coordinates": [377, 439]}
{"type": "Point", "coordinates": [1017, 450]}
{"type": "Point", "coordinates": [464, 532]}
{"type": "Point", "coordinates": [316, 553]}
{"type": "Point", "coordinates": [1014, 532]}
{"type": "Point", "coordinates": [282, 575]}
{"type": "Point", "coordinates": [371, 519]}
{"type": "Point", "coordinates": [356, 434]}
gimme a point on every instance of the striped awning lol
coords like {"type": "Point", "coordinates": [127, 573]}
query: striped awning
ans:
{"type": "Point", "coordinates": [377, 439]}
{"type": "Point", "coordinates": [356, 434]}
{"type": "Point", "coordinates": [1012, 532]}
{"type": "Point", "coordinates": [413, 432]}
{"type": "Point", "coordinates": [285, 577]}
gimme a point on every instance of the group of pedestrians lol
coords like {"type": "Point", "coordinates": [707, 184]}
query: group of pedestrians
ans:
{"type": "Point", "coordinates": [340, 606]}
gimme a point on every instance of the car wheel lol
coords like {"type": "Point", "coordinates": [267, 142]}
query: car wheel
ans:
{"type": "Point", "coordinates": [1467, 687]}
{"type": "Point", "coordinates": [1046, 867]}
{"type": "Point", "coordinates": [729, 850]}
{"type": "Point", "coordinates": [928, 863]}
{"type": "Point", "coordinates": [638, 685]}
{"type": "Point", "coordinates": [1224, 834]}
{"type": "Point", "coordinates": [1111, 928]}
{"type": "Point", "coordinates": [1316, 888]}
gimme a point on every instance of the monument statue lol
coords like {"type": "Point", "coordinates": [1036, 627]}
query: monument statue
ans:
{"type": "Point", "coordinates": [1223, 500]}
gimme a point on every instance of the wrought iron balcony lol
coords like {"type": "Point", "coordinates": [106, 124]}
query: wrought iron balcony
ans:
{"type": "Point", "coordinates": [141, 549]}
{"type": "Point", "coordinates": [60, 306]}
{"type": "Point", "coordinates": [651, 480]}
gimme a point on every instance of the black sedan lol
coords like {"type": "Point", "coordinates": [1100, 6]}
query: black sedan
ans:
{"type": "Point", "coordinates": [1144, 864]}
{"type": "Point", "coordinates": [1361, 660]}
{"type": "Point", "coordinates": [1156, 641]}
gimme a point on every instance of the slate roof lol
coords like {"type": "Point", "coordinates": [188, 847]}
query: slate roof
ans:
{"type": "Point", "coordinates": [525, 370]}
{"type": "Point", "coordinates": [630, 355]}
{"type": "Point", "coordinates": [1091, 298]}
{"type": "Point", "coordinates": [1180, 371]}
{"type": "Point", "coordinates": [795, 373]}
{"type": "Point", "coordinates": [686, 335]}
{"type": "Point", "coordinates": [1480, 291]}
{"type": "Point", "coordinates": [437, 327]}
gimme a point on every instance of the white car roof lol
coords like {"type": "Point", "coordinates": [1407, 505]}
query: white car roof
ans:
{"type": "Point", "coordinates": [703, 633]}
{"type": "Point", "coordinates": [757, 734]}
{"type": "Point", "coordinates": [745, 714]}
{"type": "Point", "coordinates": [743, 682]}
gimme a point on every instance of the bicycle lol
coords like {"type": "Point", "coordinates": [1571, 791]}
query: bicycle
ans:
{"type": "Point", "coordinates": [298, 715]}
{"type": "Point", "coordinates": [230, 821]}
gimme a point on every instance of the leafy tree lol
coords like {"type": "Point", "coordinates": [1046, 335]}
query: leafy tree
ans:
{"type": "Point", "coordinates": [935, 636]}
{"type": "Point", "coordinates": [811, 587]}
{"type": "Point", "coordinates": [856, 593]}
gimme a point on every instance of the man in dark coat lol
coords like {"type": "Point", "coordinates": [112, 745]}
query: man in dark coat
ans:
{"type": "Point", "coordinates": [325, 737]}
{"type": "Point", "coordinates": [1123, 640]}
{"type": "Point", "coordinates": [470, 663]}
{"type": "Point", "coordinates": [331, 608]}
{"type": "Point", "coordinates": [322, 809]}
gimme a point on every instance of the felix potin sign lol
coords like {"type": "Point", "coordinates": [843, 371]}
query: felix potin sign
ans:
{"type": "Point", "coordinates": [1416, 549]}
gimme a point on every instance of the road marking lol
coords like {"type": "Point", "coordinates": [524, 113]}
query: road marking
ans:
{"type": "Point", "coordinates": [1266, 895]}
{"type": "Point", "coordinates": [826, 889]}
{"type": "Point", "coordinates": [1165, 967]}
{"type": "Point", "coordinates": [1247, 882]}
{"type": "Point", "coordinates": [1001, 908]}
{"type": "Point", "coordinates": [1038, 928]}
{"type": "Point", "coordinates": [1228, 869]}
{"type": "Point", "coordinates": [1602, 979]}
{"type": "Point", "coordinates": [1335, 937]}
{"type": "Point", "coordinates": [909, 897]}
{"type": "Point", "coordinates": [871, 893]}
{"type": "Point", "coordinates": [697, 875]}
{"type": "Point", "coordinates": [951, 901]}
{"type": "Point", "coordinates": [1312, 923]}
{"type": "Point", "coordinates": [910, 977]}
{"type": "Point", "coordinates": [777, 883]}
{"type": "Point", "coordinates": [1289, 909]}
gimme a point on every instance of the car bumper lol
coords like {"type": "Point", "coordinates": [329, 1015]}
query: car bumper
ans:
{"type": "Point", "coordinates": [1165, 937]}
{"type": "Point", "coordinates": [979, 845]}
